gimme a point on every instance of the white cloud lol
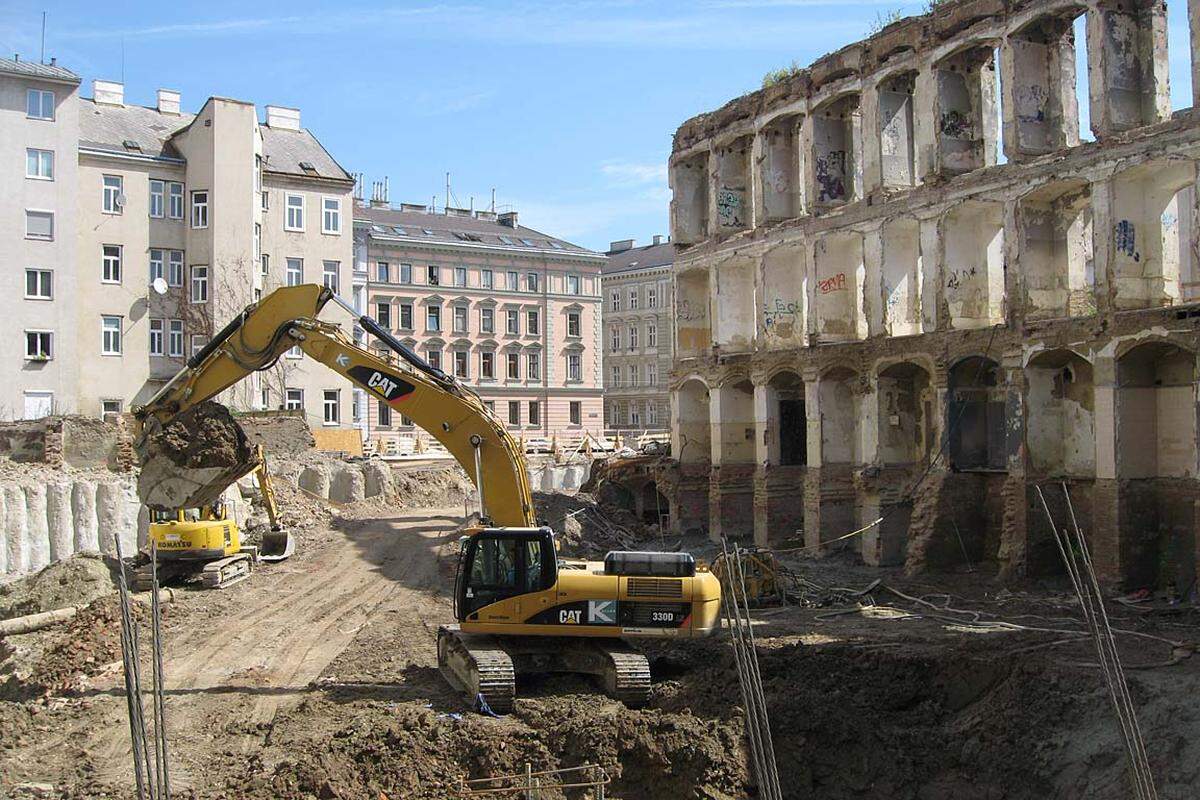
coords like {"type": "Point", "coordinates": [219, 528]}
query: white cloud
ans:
{"type": "Point", "coordinates": [622, 173]}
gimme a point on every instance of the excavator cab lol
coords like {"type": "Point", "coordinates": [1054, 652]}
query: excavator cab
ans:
{"type": "Point", "coordinates": [496, 564]}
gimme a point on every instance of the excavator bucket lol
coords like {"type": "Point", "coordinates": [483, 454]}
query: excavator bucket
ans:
{"type": "Point", "coordinates": [277, 544]}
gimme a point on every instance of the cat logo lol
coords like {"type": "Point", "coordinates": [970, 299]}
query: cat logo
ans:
{"type": "Point", "coordinates": [569, 617]}
{"type": "Point", "coordinates": [382, 384]}
{"type": "Point", "coordinates": [389, 387]}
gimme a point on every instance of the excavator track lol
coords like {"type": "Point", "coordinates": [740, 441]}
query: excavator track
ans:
{"type": "Point", "coordinates": [627, 675]}
{"type": "Point", "coordinates": [219, 574]}
{"type": "Point", "coordinates": [477, 666]}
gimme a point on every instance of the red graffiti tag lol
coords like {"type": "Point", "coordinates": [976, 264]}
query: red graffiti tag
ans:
{"type": "Point", "coordinates": [835, 284]}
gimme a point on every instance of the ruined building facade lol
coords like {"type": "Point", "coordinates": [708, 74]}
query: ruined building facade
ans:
{"type": "Point", "coordinates": [906, 289]}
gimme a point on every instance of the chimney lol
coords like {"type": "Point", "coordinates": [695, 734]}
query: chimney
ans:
{"type": "Point", "coordinates": [109, 93]}
{"type": "Point", "coordinates": [168, 101]}
{"type": "Point", "coordinates": [621, 246]}
{"type": "Point", "coordinates": [508, 219]}
{"type": "Point", "coordinates": [658, 239]}
{"type": "Point", "coordinates": [287, 119]}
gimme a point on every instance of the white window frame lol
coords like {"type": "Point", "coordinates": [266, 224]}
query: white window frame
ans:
{"type": "Point", "coordinates": [293, 399]}
{"type": "Point", "coordinates": [574, 367]}
{"type": "Point", "coordinates": [487, 372]}
{"type": "Point", "coordinates": [384, 414]}
{"type": "Point", "coordinates": [512, 281]}
{"type": "Point", "coordinates": [460, 276]}
{"type": "Point", "coordinates": [461, 316]}
{"type": "Point", "coordinates": [535, 412]}
{"type": "Point", "coordinates": [573, 284]}
{"type": "Point", "coordinates": [113, 193]}
{"type": "Point", "coordinates": [652, 297]}
{"type": "Point", "coordinates": [651, 334]}
{"type": "Point", "coordinates": [197, 342]}
{"type": "Point", "coordinates": [652, 374]}
{"type": "Point", "coordinates": [158, 198]}
{"type": "Point", "coordinates": [42, 162]}
{"type": "Point", "coordinates": [110, 335]}
{"type": "Point", "coordinates": [331, 400]}
{"type": "Point", "coordinates": [175, 200]}
{"type": "Point", "coordinates": [633, 374]}
{"type": "Point", "coordinates": [462, 364]}
{"type": "Point", "coordinates": [175, 338]}
{"type": "Point", "coordinates": [110, 266]}
{"type": "Point", "coordinates": [383, 314]}
{"type": "Point", "coordinates": [294, 277]}
{"type": "Point", "coordinates": [434, 358]}
{"type": "Point", "coordinates": [44, 280]}
{"type": "Point", "coordinates": [487, 320]}
{"type": "Point", "coordinates": [512, 366]}
{"type": "Point", "coordinates": [406, 310]}
{"type": "Point", "coordinates": [383, 272]}
{"type": "Point", "coordinates": [652, 413]}
{"type": "Point", "coordinates": [512, 322]}
{"type": "Point", "coordinates": [198, 285]}
{"type": "Point", "coordinates": [533, 322]}
{"type": "Point", "coordinates": [406, 273]}
{"type": "Point", "coordinates": [614, 373]}
{"type": "Point", "coordinates": [40, 112]}
{"type": "Point", "coordinates": [329, 275]}
{"type": "Point", "coordinates": [574, 320]}
{"type": "Point", "coordinates": [486, 279]}
{"type": "Point", "coordinates": [110, 405]}
{"type": "Point", "coordinates": [39, 213]}
{"type": "Point", "coordinates": [633, 337]}
{"type": "Point", "coordinates": [433, 318]}
{"type": "Point", "coordinates": [175, 268]}
{"type": "Point", "coordinates": [615, 341]}
{"type": "Point", "coordinates": [158, 337]}
{"type": "Point", "coordinates": [331, 216]}
{"type": "Point", "coordinates": [158, 265]}
{"type": "Point", "coordinates": [533, 366]}
{"type": "Point", "coordinates": [514, 412]}
{"type": "Point", "coordinates": [199, 209]}
{"type": "Point", "coordinates": [294, 216]}
{"type": "Point", "coordinates": [574, 412]}
{"type": "Point", "coordinates": [532, 282]}
{"type": "Point", "coordinates": [38, 334]}
{"type": "Point", "coordinates": [634, 299]}
{"type": "Point", "coordinates": [433, 275]}
{"type": "Point", "coordinates": [614, 300]}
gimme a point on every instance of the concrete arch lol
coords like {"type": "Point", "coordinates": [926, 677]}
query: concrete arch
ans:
{"type": "Point", "coordinates": [1126, 347]}
{"type": "Point", "coordinates": [691, 436]}
{"type": "Point", "coordinates": [975, 423]}
{"type": "Point", "coordinates": [1060, 435]}
{"type": "Point", "coordinates": [907, 400]}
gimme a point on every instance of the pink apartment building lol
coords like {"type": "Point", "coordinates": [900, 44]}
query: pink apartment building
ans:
{"type": "Point", "coordinates": [513, 313]}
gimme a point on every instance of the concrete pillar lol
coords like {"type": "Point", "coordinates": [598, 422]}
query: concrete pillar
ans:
{"type": "Point", "coordinates": [754, 211]}
{"type": "Point", "coordinates": [1106, 534]}
{"type": "Point", "coordinates": [872, 282]}
{"type": "Point", "coordinates": [808, 172]}
{"type": "Point", "coordinates": [731, 488]}
{"type": "Point", "coordinates": [714, 180]}
{"type": "Point", "coordinates": [1013, 302]}
{"type": "Point", "coordinates": [766, 425]}
{"type": "Point", "coordinates": [868, 420]}
{"type": "Point", "coordinates": [36, 524]}
{"type": "Point", "coordinates": [872, 152]}
{"type": "Point", "coordinates": [18, 540]}
{"type": "Point", "coordinates": [1103, 251]}
{"type": "Point", "coordinates": [925, 120]}
{"type": "Point", "coordinates": [60, 520]}
{"type": "Point", "coordinates": [1128, 69]}
{"type": "Point", "coordinates": [83, 512]}
{"type": "Point", "coordinates": [932, 279]}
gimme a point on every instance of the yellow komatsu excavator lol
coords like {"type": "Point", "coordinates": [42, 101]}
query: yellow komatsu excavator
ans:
{"type": "Point", "coordinates": [519, 607]}
{"type": "Point", "coordinates": [208, 541]}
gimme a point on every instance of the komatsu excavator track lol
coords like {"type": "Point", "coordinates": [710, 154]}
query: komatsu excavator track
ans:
{"type": "Point", "coordinates": [486, 667]}
{"type": "Point", "coordinates": [218, 574]}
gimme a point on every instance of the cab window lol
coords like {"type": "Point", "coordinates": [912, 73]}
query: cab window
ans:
{"type": "Point", "coordinates": [533, 565]}
{"type": "Point", "coordinates": [495, 564]}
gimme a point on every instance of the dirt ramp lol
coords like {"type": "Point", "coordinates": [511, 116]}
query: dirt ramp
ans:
{"type": "Point", "coordinates": [191, 460]}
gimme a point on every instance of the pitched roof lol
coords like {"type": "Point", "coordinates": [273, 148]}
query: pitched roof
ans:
{"type": "Point", "coordinates": [412, 225]}
{"type": "Point", "coordinates": [285, 150]}
{"type": "Point", "coordinates": [108, 127]}
{"type": "Point", "coordinates": [651, 255]}
{"type": "Point", "coordinates": [31, 69]}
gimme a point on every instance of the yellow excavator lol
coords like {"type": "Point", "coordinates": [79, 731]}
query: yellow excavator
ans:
{"type": "Point", "coordinates": [519, 607]}
{"type": "Point", "coordinates": [206, 540]}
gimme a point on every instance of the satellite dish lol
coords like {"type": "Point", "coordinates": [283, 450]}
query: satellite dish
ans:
{"type": "Point", "coordinates": [159, 286]}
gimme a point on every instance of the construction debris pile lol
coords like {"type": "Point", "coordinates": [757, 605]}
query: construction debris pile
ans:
{"type": "Point", "coordinates": [189, 462]}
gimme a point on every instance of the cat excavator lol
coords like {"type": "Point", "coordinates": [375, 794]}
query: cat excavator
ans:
{"type": "Point", "coordinates": [519, 607]}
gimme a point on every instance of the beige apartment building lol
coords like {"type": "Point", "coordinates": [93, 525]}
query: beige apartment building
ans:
{"type": "Point", "coordinates": [511, 312]}
{"type": "Point", "coordinates": [141, 230]}
{"type": "Point", "coordinates": [638, 341]}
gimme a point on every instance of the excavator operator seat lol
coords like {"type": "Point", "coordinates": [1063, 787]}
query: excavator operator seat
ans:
{"type": "Point", "coordinates": [498, 563]}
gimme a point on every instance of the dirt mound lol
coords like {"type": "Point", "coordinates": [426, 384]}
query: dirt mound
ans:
{"type": "Point", "coordinates": [281, 435]}
{"type": "Point", "coordinates": [191, 460]}
{"type": "Point", "coordinates": [583, 527]}
{"type": "Point", "coordinates": [74, 581]}
{"type": "Point", "coordinates": [440, 487]}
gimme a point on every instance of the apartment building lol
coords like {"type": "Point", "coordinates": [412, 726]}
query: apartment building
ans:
{"type": "Point", "coordinates": [511, 312]}
{"type": "Point", "coordinates": [143, 229]}
{"type": "Point", "coordinates": [909, 296]}
{"type": "Point", "coordinates": [639, 291]}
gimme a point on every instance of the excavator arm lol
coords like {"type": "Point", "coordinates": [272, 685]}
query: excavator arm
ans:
{"type": "Point", "coordinates": [434, 401]}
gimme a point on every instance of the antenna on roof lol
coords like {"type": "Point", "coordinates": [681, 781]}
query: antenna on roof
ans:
{"type": "Point", "coordinates": [43, 59]}
{"type": "Point", "coordinates": [447, 190]}
{"type": "Point", "coordinates": [493, 199]}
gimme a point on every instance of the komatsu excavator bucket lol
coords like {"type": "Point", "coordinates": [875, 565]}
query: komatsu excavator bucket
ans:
{"type": "Point", "coordinates": [277, 545]}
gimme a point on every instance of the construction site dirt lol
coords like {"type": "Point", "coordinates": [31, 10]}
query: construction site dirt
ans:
{"type": "Point", "coordinates": [317, 678]}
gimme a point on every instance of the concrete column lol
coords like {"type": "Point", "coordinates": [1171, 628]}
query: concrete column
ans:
{"type": "Point", "coordinates": [925, 120]}
{"type": "Point", "coordinates": [1103, 253]}
{"type": "Point", "coordinates": [868, 420]}
{"type": "Point", "coordinates": [857, 140]}
{"type": "Point", "coordinates": [1013, 305]}
{"type": "Point", "coordinates": [1128, 68]}
{"type": "Point", "coordinates": [714, 181]}
{"type": "Point", "coordinates": [755, 214]}
{"type": "Point", "coordinates": [872, 152]}
{"type": "Point", "coordinates": [932, 280]}
{"type": "Point", "coordinates": [873, 280]}
{"type": "Point", "coordinates": [808, 173]}
{"type": "Point", "coordinates": [766, 425]}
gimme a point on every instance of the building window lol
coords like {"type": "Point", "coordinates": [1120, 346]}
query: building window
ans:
{"type": "Point", "coordinates": [39, 225]}
{"type": "Point", "coordinates": [514, 412]}
{"type": "Point", "coordinates": [573, 285]}
{"type": "Point", "coordinates": [531, 281]}
{"type": "Point", "coordinates": [175, 338]}
{"type": "Point", "coordinates": [157, 337]}
{"type": "Point", "coordinates": [633, 375]}
{"type": "Point", "coordinates": [513, 366]}
{"type": "Point", "coordinates": [265, 200]}
{"type": "Point", "coordinates": [198, 342]}
{"type": "Point", "coordinates": [175, 200]}
{"type": "Point", "coordinates": [576, 412]}
{"type": "Point", "coordinates": [433, 318]}
{"type": "Point", "coordinates": [434, 357]}
{"type": "Point", "coordinates": [110, 406]}
{"type": "Point", "coordinates": [535, 412]}
{"type": "Point", "coordinates": [652, 297]}
{"type": "Point", "coordinates": [533, 366]}
{"type": "Point", "coordinates": [156, 265]}
{"type": "Point", "coordinates": [331, 406]}
{"type": "Point", "coordinates": [635, 415]}
{"type": "Point", "coordinates": [511, 281]}
{"type": "Point", "coordinates": [433, 275]}
{"type": "Point", "coordinates": [293, 399]}
{"type": "Point", "coordinates": [39, 284]}
{"type": "Point", "coordinates": [490, 405]}
{"type": "Point", "coordinates": [294, 220]}
{"type": "Point", "coordinates": [486, 278]}
{"type": "Point", "coordinates": [110, 270]}
{"type": "Point", "coordinates": [38, 345]}
{"type": "Point", "coordinates": [383, 314]}
{"type": "Point", "coordinates": [460, 363]}
{"type": "Point", "coordinates": [383, 272]}
{"type": "Point", "coordinates": [110, 336]}
{"type": "Point", "coordinates": [199, 284]}
{"type": "Point", "coordinates": [651, 335]}
{"type": "Point", "coordinates": [257, 241]}
{"type": "Point", "coordinates": [573, 326]}
{"type": "Point", "coordinates": [406, 273]}
{"type": "Point", "coordinates": [295, 272]}
{"type": "Point", "coordinates": [175, 268]}
{"type": "Point", "coordinates": [460, 276]}
{"type": "Point", "coordinates": [533, 323]}
{"type": "Point", "coordinates": [39, 164]}
{"type": "Point", "coordinates": [385, 414]}
{"type": "Point", "coordinates": [199, 209]}
{"type": "Point", "coordinates": [39, 104]}
{"type": "Point", "coordinates": [487, 320]}
{"type": "Point", "coordinates": [460, 319]}
{"type": "Point", "coordinates": [265, 269]}
{"type": "Point", "coordinates": [615, 373]}
{"type": "Point", "coordinates": [633, 337]}
{"type": "Point", "coordinates": [329, 275]}
{"type": "Point", "coordinates": [331, 216]}
{"type": "Point", "coordinates": [574, 367]}
{"type": "Point", "coordinates": [512, 321]}
{"type": "Point", "coordinates": [633, 299]}
{"type": "Point", "coordinates": [615, 343]}
{"type": "Point", "coordinates": [487, 365]}
{"type": "Point", "coordinates": [615, 300]}
{"type": "Point", "coordinates": [406, 316]}
{"type": "Point", "coordinates": [158, 198]}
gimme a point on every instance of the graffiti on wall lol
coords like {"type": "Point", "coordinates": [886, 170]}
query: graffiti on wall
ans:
{"type": "Point", "coordinates": [956, 278]}
{"type": "Point", "coordinates": [835, 284]}
{"type": "Point", "coordinates": [1126, 239]}
{"type": "Point", "coordinates": [956, 125]}
{"type": "Point", "coordinates": [690, 313]}
{"type": "Point", "coordinates": [780, 316]}
{"type": "Point", "coordinates": [730, 204]}
{"type": "Point", "coordinates": [831, 175]}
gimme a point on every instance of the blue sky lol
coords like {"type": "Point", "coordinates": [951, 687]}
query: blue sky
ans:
{"type": "Point", "coordinates": [565, 108]}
